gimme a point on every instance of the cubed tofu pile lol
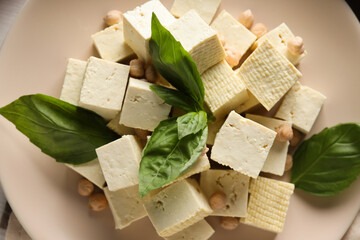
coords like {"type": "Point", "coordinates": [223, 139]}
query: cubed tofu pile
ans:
{"type": "Point", "coordinates": [246, 145]}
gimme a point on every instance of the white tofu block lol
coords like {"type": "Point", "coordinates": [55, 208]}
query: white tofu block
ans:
{"type": "Point", "coordinates": [243, 145]}
{"type": "Point", "coordinates": [268, 75]}
{"type": "Point", "coordinates": [213, 129]}
{"type": "Point", "coordinates": [234, 33]}
{"type": "Point", "coordinates": [233, 184]}
{"type": "Point", "coordinates": [137, 26]}
{"type": "Point", "coordinates": [198, 231]}
{"type": "Point", "coordinates": [119, 128]}
{"type": "Point", "coordinates": [279, 38]}
{"type": "Point", "coordinates": [126, 206]}
{"type": "Point", "coordinates": [224, 90]}
{"type": "Point", "coordinates": [104, 87]}
{"type": "Point", "coordinates": [142, 107]}
{"type": "Point", "coordinates": [111, 45]}
{"type": "Point", "coordinates": [205, 8]}
{"type": "Point", "coordinates": [301, 106]}
{"type": "Point", "coordinates": [199, 39]}
{"type": "Point", "coordinates": [248, 105]}
{"type": "Point", "coordinates": [120, 161]}
{"type": "Point", "coordinates": [91, 171]}
{"type": "Point", "coordinates": [177, 207]}
{"type": "Point", "coordinates": [275, 162]}
{"type": "Point", "coordinates": [73, 81]}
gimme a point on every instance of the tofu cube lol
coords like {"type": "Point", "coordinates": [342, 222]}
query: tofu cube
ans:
{"type": "Point", "coordinates": [213, 129]}
{"type": "Point", "coordinates": [119, 128]}
{"type": "Point", "coordinates": [198, 231]}
{"type": "Point", "coordinates": [91, 171]}
{"type": "Point", "coordinates": [301, 107]}
{"type": "Point", "coordinates": [120, 161]}
{"type": "Point", "coordinates": [137, 26]}
{"type": "Point", "coordinates": [205, 8]}
{"type": "Point", "coordinates": [224, 90]}
{"type": "Point", "coordinates": [199, 39]}
{"type": "Point", "coordinates": [126, 205]}
{"type": "Point", "coordinates": [243, 145]}
{"type": "Point", "coordinates": [279, 38]}
{"type": "Point", "coordinates": [248, 105]}
{"type": "Point", "coordinates": [233, 184]}
{"type": "Point", "coordinates": [73, 81]}
{"type": "Point", "coordinates": [268, 204]}
{"type": "Point", "coordinates": [234, 33]}
{"type": "Point", "coordinates": [104, 87]}
{"type": "Point", "coordinates": [177, 207]}
{"type": "Point", "coordinates": [111, 45]}
{"type": "Point", "coordinates": [268, 75]}
{"type": "Point", "coordinates": [275, 162]}
{"type": "Point", "coordinates": [142, 107]}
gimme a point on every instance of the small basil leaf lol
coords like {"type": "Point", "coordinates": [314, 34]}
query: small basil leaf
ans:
{"type": "Point", "coordinates": [174, 63]}
{"type": "Point", "coordinates": [165, 157]}
{"type": "Point", "coordinates": [328, 162]}
{"type": "Point", "coordinates": [174, 98]}
{"type": "Point", "coordinates": [65, 132]}
{"type": "Point", "coordinates": [191, 123]}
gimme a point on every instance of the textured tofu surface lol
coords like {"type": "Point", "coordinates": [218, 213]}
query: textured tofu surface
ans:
{"type": "Point", "coordinates": [279, 37]}
{"type": "Point", "coordinates": [110, 43]}
{"type": "Point", "coordinates": [126, 206]}
{"type": "Point", "coordinates": [275, 162]}
{"type": "Point", "coordinates": [177, 207]}
{"type": "Point", "coordinates": [268, 204]}
{"type": "Point", "coordinates": [205, 8]}
{"type": "Point", "coordinates": [235, 186]}
{"type": "Point", "coordinates": [301, 106]}
{"type": "Point", "coordinates": [198, 231]}
{"type": "Point", "coordinates": [249, 104]}
{"type": "Point", "coordinates": [73, 81]}
{"type": "Point", "coordinates": [243, 145]}
{"type": "Point", "coordinates": [119, 128]}
{"type": "Point", "coordinates": [142, 107]}
{"type": "Point", "coordinates": [120, 161]}
{"type": "Point", "coordinates": [91, 171]}
{"type": "Point", "coordinates": [104, 87]}
{"type": "Point", "coordinates": [199, 39]}
{"type": "Point", "coordinates": [268, 74]}
{"type": "Point", "coordinates": [234, 33]}
{"type": "Point", "coordinates": [224, 90]}
{"type": "Point", "coordinates": [137, 26]}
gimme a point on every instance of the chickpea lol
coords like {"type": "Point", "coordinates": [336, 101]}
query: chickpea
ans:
{"type": "Point", "coordinates": [296, 46]}
{"type": "Point", "coordinates": [142, 134]}
{"type": "Point", "coordinates": [233, 56]}
{"type": "Point", "coordinates": [218, 200]}
{"type": "Point", "coordinates": [229, 223]}
{"type": "Point", "coordinates": [151, 74]}
{"type": "Point", "coordinates": [284, 133]}
{"type": "Point", "coordinates": [222, 39]}
{"type": "Point", "coordinates": [289, 162]}
{"type": "Point", "coordinates": [297, 136]}
{"type": "Point", "coordinates": [246, 18]}
{"type": "Point", "coordinates": [204, 151]}
{"type": "Point", "coordinates": [136, 68]}
{"type": "Point", "coordinates": [113, 17]}
{"type": "Point", "coordinates": [259, 30]}
{"type": "Point", "coordinates": [85, 187]}
{"type": "Point", "coordinates": [97, 202]}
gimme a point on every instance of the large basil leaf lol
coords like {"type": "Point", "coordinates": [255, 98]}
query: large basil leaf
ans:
{"type": "Point", "coordinates": [165, 157]}
{"type": "Point", "coordinates": [175, 64]}
{"type": "Point", "coordinates": [191, 123]}
{"type": "Point", "coordinates": [328, 162]}
{"type": "Point", "coordinates": [65, 132]}
{"type": "Point", "coordinates": [174, 98]}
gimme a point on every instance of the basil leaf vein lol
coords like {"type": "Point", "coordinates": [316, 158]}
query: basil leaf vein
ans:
{"type": "Point", "coordinates": [191, 123]}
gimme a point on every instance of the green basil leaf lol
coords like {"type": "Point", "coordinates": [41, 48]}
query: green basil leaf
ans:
{"type": "Point", "coordinates": [65, 132]}
{"type": "Point", "coordinates": [191, 123]}
{"type": "Point", "coordinates": [165, 157]}
{"type": "Point", "coordinates": [328, 162]}
{"type": "Point", "coordinates": [174, 98]}
{"type": "Point", "coordinates": [174, 63]}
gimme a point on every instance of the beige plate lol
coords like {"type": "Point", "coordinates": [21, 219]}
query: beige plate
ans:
{"type": "Point", "coordinates": [43, 193]}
